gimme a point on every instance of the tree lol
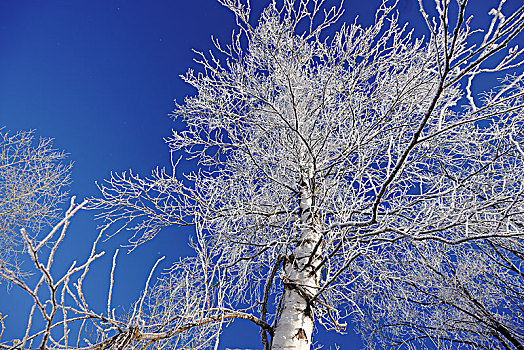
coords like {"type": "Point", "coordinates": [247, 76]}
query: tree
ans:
{"type": "Point", "coordinates": [32, 183]}
{"type": "Point", "coordinates": [316, 155]}
{"type": "Point", "coordinates": [330, 165]}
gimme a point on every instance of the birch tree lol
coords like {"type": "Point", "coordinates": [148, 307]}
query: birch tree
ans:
{"type": "Point", "coordinates": [317, 153]}
{"type": "Point", "coordinates": [335, 170]}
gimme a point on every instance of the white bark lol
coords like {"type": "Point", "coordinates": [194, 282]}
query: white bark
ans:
{"type": "Point", "coordinates": [294, 328]}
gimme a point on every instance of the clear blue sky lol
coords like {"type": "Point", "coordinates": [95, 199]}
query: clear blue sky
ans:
{"type": "Point", "coordinates": [99, 76]}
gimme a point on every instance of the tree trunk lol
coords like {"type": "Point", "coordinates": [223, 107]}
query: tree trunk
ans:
{"type": "Point", "coordinates": [294, 328]}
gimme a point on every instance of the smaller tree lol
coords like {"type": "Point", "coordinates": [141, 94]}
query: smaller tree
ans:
{"type": "Point", "coordinates": [32, 181]}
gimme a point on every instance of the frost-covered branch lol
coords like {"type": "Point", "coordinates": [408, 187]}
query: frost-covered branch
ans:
{"type": "Point", "coordinates": [32, 185]}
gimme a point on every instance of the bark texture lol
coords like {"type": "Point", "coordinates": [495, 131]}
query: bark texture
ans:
{"type": "Point", "coordinates": [294, 328]}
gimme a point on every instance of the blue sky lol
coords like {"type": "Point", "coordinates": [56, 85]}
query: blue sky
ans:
{"type": "Point", "coordinates": [99, 77]}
